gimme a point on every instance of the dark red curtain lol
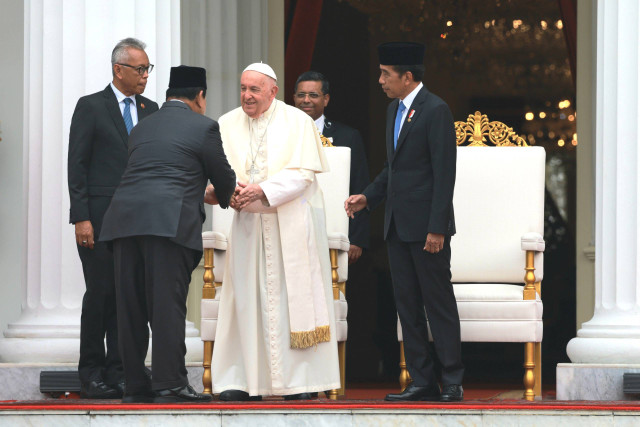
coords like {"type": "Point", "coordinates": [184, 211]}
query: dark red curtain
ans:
{"type": "Point", "coordinates": [304, 16]}
{"type": "Point", "coordinates": [569, 16]}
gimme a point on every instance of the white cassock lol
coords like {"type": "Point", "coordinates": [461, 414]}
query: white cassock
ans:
{"type": "Point", "coordinates": [276, 327]}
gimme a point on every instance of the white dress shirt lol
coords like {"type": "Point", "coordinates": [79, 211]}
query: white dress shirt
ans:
{"type": "Point", "coordinates": [320, 123]}
{"type": "Point", "coordinates": [407, 101]}
{"type": "Point", "coordinates": [132, 108]}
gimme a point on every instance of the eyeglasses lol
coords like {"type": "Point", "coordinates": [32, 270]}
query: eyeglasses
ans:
{"type": "Point", "coordinates": [141, 70]}
{"type": "Point", "coordinates": [311, 95]}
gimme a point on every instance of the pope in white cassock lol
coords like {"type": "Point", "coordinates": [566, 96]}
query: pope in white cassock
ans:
{"type": "Point", "coordinates": [276, 328]}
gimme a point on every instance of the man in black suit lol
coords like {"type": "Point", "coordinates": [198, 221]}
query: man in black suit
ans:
{"type": "Point", "coordinates": [417, 183]}
{"type": "Point", "coordinates": [155, 222]}
{"type": "Point", "coordinates": [311, 95]}
{"type": "Point", "coordinates": [97, 158]}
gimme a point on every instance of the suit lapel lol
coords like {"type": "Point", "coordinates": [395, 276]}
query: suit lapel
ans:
{"type": "Point", "coordinates": [141, 108]}
{"type": "Point", "coordinates": [391, 114]}
{"type": "Point", "coordinates": [416, 107]}
{"type": "Point", "coordinates": [111, 102]}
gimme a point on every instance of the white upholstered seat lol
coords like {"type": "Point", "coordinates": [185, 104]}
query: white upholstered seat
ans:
{"type": "Point", "coordinates": [499, 213]}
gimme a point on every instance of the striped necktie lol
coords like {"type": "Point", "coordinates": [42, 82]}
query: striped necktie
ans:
{"type": "Point", "coordinates": [126, 115]}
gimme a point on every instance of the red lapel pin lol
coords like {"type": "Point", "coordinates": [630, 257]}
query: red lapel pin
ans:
{"type": "Point", "coordinates": [411, 115]}
{"type": "Point", "coordinates": [141, 105]}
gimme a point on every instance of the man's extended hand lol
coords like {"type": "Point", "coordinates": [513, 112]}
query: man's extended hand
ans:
{"type": "Point", "coordinates": [434, 243]}
{"type": "Point", "coordinates": [355, 252]}
{"type": "Point", "coordinates": [234, 199]}
{"type": "Point", "coordinates": [355, 204]}
{"type": "Point", "coordinates": [84, 234]}
{"type": "Point", "coordinates": [210, 196]}
{"type": "Point", "coordinates": [248, 193]}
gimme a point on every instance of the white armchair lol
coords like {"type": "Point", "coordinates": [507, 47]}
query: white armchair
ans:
{"type": "Point", "coordinates": [215, 248]}
{"type": "Point", "coordinates": [335, 188]}
{"type": "Point", "coordinates": [497, 253]}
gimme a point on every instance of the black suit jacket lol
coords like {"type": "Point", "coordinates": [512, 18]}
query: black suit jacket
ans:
{"type": "Point", "coordinates": [171, 156]}
{"type": "Point", "coordinates": [346, 136]}
{"type": "Point", "coordinates": [419, 175]}
{"type": "Point", "coordinates": [98, 144]}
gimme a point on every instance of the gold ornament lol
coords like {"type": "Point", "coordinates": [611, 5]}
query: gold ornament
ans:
{"type": "Point", "coordinates": [326, 142]}
{"type": "Point", "coordinates": [478, 129]}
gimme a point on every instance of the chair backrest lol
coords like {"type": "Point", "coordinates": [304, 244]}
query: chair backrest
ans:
{"type": "Point", "coordinates": [499, 196]}
{"type": "Point", "coordinates": [335, 188]}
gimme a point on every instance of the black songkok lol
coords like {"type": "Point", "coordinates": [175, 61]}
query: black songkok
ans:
{"type": "Point", "coordinates": [401, 53]}
{"type": "Point", "coordinates": [186, 76]}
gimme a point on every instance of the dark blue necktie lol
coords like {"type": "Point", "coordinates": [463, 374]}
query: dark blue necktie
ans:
{"type": "Point", "coordinates": [396, 128]}
{"type": "Point", "coordinates": [126, 115]}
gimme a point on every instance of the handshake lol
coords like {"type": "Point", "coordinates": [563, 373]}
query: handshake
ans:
{"type": "Point", "coordinates": [243, 195]}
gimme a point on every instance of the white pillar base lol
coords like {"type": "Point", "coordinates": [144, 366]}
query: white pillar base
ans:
{"type": "Point", "coordinates": [603, 351]}
{"type": "Point", "coordinates": [591, 381]}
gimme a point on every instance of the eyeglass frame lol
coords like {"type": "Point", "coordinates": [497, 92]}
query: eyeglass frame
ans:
{"type": "Point", "coordinates": [141, 70]}
{"type": "Point", "coordinates": [303, 95]}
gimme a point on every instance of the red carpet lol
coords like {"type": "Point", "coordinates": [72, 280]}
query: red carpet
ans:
{"type": "Point", "coordinates": [477, 397]}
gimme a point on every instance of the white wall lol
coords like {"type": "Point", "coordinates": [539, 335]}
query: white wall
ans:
{"type": "Point", "coordinates": [12, 212]}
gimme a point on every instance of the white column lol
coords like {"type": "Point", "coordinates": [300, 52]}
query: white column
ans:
{"type": "Point", "coordinates": [608, 345]}
{"type": "Point", "coordinates": [613, 334]}
{"type": "Point", "coordinates": [68, 46]}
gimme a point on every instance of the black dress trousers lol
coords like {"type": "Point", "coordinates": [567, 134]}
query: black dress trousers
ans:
{"type": "Point", "coordinates": [422, 281]}
{"type": "Point", "coordinates": [152, 282]}
{"type": "Point", "coordinates": [98, 318]}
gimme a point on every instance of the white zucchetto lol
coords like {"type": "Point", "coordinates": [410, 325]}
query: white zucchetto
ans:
{"type": "Point", "coordinates": [263, 69]}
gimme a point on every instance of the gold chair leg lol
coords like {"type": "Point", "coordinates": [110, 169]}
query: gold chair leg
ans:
{"type": "Point", "coordinates": [532, 351]}
{"type": "Point", "coordinates": [529, 371]}
{"type": "Point", "coordinates": [538, 370]}
{"type": "Point", "coordinates": [405, 377]}
{"type": "Point", "coordinates": [538, 388]}
{"type": "Point", "coordinates": [208, 292]}
{"type": "Point", "coordinates": [333, 255]}
{"type": "Point", "coordinates": [206, 362]}
{"type": "Point", "coordinates": [342, 360]}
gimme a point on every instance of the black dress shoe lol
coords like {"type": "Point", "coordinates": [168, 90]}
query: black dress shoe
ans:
{"type": "Point", "coordinates": [98, 390]}
{"type": "Point", "coordinates": [238, 396]}
{"type": "Point", "coordinates": [415, 393]}
{"type": "Point", "coordinates": [180, 394]}
{"type": "Point", "coordinates": [139, 397]}
{"type": "Point", "coordinates": [301, 396]}
{"type": "Point", "coordinates": [452, 393]}
{"type": "Point", "coordinates": [119, 387]}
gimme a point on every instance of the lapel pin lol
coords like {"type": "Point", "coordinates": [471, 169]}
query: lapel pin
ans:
{"type": "Point", "coordinates": [411, 113]}
{"type": "Point", "coordinates": [141, 105]}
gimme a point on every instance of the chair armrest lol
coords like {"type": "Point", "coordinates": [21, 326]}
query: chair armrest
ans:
{"type": "Point", "coordinates": [338, 241]}
{"type": "Point", "coordinates": [214, 240]}
{"type": "Point", "coordinates": [532, 242]}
